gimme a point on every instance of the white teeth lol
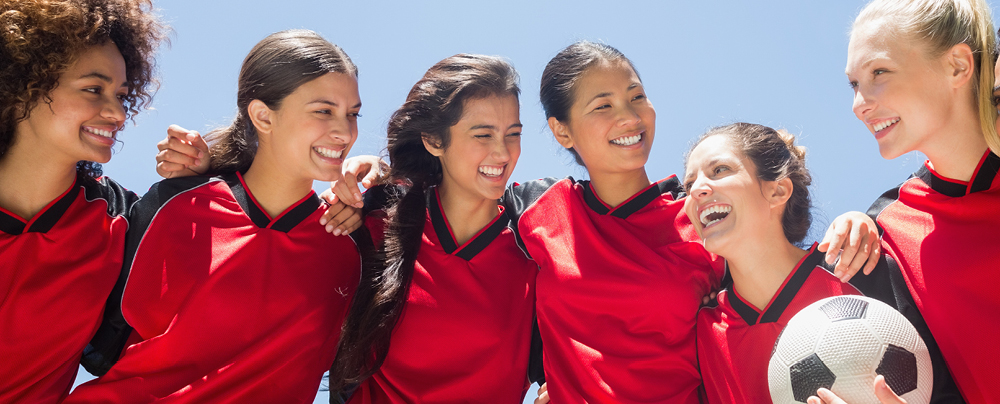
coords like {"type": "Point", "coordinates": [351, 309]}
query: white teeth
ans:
{"type": "Point", "coordinates": [329, 153]}
{"type": "Point", "coordinates": [99, 132]}
{"type": "Point", "coordinates": [720, 213]}
{"type": "Point", "coordinates": [886, 124]}
{"type": "Point", "coordinates": [627, 140]}
{"type": "Point", "coordinates": [491, 171]}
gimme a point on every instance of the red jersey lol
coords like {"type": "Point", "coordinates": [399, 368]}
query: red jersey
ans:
{"type": "Point", "coordinates": [735, 339]}
{"type": "Point", "coordinates": [618, 291]}
{"type": "Point", "coordinates": [942, 234]}
{"type": "Point", "coordinates": [465, 330]}
{"type": "Point", "coordinates": [56, 272]}
{"type": "Point", "coordinates": [227, 304]}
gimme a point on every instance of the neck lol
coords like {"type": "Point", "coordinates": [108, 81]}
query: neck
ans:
{"type": "Point", "coordinates": [38, 180]}
{"type": "Point", "coordinates": [467, 214]}
{"type": "Point", "coordinates": [615, 188]}
{"type": "Point", "coordinates": [274, 190]}
{"type": "Point", "coordinates": [761, 266]}
{"type": "Point", "coordinates": [956, 151]}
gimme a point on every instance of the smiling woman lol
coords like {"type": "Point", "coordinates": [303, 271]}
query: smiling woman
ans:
{"type": "Point", "coordinates": [71, 73]}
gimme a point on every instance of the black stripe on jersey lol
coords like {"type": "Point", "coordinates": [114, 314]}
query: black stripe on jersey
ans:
{"type": "Point", "coordinates": [636, 202]}
{"type": "Point", "coordinates": [56, 211]}
{"type": "Point", "coordinates": [939, 184]}
{"type": "Point", "coordinates": [519, 197]}
{"type": "Point", "coordinates": [10, 225]}
{"type": "Point", "coordinates": [289, 220]}
{"type": "Point", "coordinates": [113, 333]}
{"type": "Point", "coordinates": [785, 295]}
{"type": "Point", "coordinates": [257, 216]}
{"type": "Point", "coordinates": [484, 238]}
{"type": "Point", "coordinates": [119, 199]}
{"type": "Point", "coordinates": [983, 179]}
{"type": "Point", "coordinates": [440, 225]}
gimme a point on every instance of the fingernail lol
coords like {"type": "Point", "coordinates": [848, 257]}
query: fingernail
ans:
{"type": "Point", "coordinates": [336, 232]}
{"type": "Point", "coordinates": [357, 196]}
{"type": "Point", "coordinates": [359, 205]}
{"type": "Point", "coordinates": [329, 228]}
{"type": "Point", "coordinates": [322, 221]}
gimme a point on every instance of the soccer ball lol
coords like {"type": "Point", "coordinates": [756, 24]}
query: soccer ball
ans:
{"type": "Point", "coordinates": [841, 343]}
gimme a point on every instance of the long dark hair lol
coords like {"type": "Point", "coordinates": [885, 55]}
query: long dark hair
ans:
{"type": "Point", "coordinates": [776, 157]}
{"type": "Point", "coordinates": [273, 69]}
{"type": "Point", "coordinates": [564, 70]}
{"type": "Point", "coordinates": [434, 104]}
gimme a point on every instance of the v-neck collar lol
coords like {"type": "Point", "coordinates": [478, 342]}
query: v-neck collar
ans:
{"type": "Point", "coordinates": [982, 178]}
{"type": "Point", "coordinates": [633, 204]}
{"type": "Point", "coordinates": [476, 244]}
{"type": "Point", "coordinates": [780, 301]}
{"type": "Point", "coordinates": [44, 220]}
{"type": "Point", "coordinates": [285, 221]}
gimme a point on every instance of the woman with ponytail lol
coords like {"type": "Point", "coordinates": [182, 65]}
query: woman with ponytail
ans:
{"type": "Point", "coordinates": [231, 294]}
{"type": "Point", "coordinates": [923, 80]}
{"type": "Point", "coordinates": [450, 318]}
{"type": "Point", "coordinates": [748, 199]}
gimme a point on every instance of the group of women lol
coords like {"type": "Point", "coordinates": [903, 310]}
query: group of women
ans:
{"type": "Point", "coordinates": [224, 284]}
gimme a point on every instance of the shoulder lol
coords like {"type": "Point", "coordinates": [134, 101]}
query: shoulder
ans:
{"type": "Point", "coordinates": [118, 198]}
{"type": "Point", "coordinates": [520, 196]}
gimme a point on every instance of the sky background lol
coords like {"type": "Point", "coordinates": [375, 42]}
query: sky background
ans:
{"type": "Point", "coordinates": [703, 64]}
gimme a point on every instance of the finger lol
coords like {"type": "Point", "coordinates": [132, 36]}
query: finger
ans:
{"type": "Point", "coordinates": [834, 239]}
{"type": "Point", "coordinates": [174, 156]}
{"type": "Point", "coordinates": [370, 178]}
{"type": "Point", "coordinates": [814, 400]}
{"type": "Point", "coordinates": [828, 396]}
{"type": "Point", "coordinates": [875, 253]}
{"type": "Point", "coordinates": [340, 218]}
{"type": "Point", "coordinates": [350, 224]}
{"type": "Point", "coordinates": [328, 216]}
{"type": "Point", "coordinates": [543, 389]}
{"type": "Point", "coordinates": [848, 249]}
{"type": "Point", "coordinates": [884, 394]}
{"type": "Point", "coordinates": [184, 147]}
{"type": "Point", "coordinates": [858, 261]}
{"type": "Point", "coordinates": [355, 192]}
{"type": "Point", "coordinates": [705, 300]}
{"type": "Point", "coordinates": [344, 192]}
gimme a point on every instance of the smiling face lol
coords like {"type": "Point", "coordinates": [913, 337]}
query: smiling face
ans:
{"type": "Point", "coordinates": [86, 112]}
{"type": "Point", "coordinates": [726, 202]}
{"type": "Point", "coordinates": [901, 93]}
{"type": "Point", "coordinates": [484, 147]}
{"type": "Point", "coordinates": [315, 127]}
{"type": "Point", "coordinates": [611, 122]}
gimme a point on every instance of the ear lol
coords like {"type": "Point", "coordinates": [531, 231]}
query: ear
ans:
{"type": "Point", "coordinates": [561, 133]}
{"type": "Point", "coordinates": [778, 192]}
{"type": "Point", "coordinates": [960, 63]}
{"type": "Point", "coordinates": [434, 148]}
{"type": "Point", "coordinates": [260, 115]}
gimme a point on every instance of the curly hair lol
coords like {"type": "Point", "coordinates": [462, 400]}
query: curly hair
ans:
{"type": "Point", "coordinates": [40, 39]}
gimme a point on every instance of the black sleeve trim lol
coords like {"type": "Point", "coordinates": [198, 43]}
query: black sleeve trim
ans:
{"type": "Point", "coordinates": [886, 284]}
{"type": "Point", "coordinates": [536, 370]}
{"type": "Point", "coordinates": [109, 341]}
{"type": "Point", "coordinates": [883, 201]}
{"type": "Point", "coordinates": [519, 197]}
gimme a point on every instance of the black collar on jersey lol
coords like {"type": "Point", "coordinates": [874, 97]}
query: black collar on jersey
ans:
{"type": "Point", "coordinates": [448, 243]}
{"type": "Point", "coordinates": [636, 202]}
{"type": "Point", "coordinates": [785, 295]}
{"type": "Point", "coordinates": [982, 179]}
{"type": "Point", "coordinates": [48, 217]}
{"type": "Point", "coordinates": [285, 222]}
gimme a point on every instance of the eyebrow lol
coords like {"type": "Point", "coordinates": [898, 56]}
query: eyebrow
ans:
{"type": "Point", "coordinates": [331, 103]}
{"type": "Point", "coordinates": [607, 94]}
{"type": "Point", "coordinates": [103, 77]}
{"type": "Point", "coordinates": [516, 125]}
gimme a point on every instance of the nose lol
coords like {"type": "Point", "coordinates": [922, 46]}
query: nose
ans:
{"type": "Point", "coordinates": [501, 151]}
{"type": "Point", "coordinates": [628, 117]}
{"type": "Point", "coordinates": [700, 188]}
{"type": "Point", "coordinates": [344, 130]}
{"type": "Point", "coordinates": [114, 110]}
{"type": "Point", "coordinates": [862, 104]}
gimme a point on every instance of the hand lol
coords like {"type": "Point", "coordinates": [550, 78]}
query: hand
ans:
{"type": "Point", "coordinates": [709, 297]}
{"type": "Point", "coordinates": [543, 394]}
{"type": "Point", "coordinates": [855, 236]}
{"type": "Point", "coordinates": [183, 153]}
{"type": "Point", "coordinates": [339, 219]}
{"type": "Point", "coordinates": [884, 394]}
{"type": "Point", "coordinates": [346, 189]}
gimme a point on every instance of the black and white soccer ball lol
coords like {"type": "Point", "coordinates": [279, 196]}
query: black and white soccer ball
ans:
{"type": "Point", "coordinates": [841, 343]}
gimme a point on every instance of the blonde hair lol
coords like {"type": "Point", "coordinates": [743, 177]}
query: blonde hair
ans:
{"type": "Point", "coordinates": [942, 24]}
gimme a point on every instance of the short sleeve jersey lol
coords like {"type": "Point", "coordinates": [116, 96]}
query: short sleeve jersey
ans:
{"type": "Point", "coordinates": [56, 271]}
{"type": "Point", "coordinates": [228, 305]}
{"type": "Point", "coordinates": [943, 235]}
{"type": "Point", "coordinates": [465, 331]}
{"type": "Point", "coordinates": [618, 290]}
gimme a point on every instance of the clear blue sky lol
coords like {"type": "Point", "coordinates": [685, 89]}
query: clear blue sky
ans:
{"type": "Point", "coordinates": [703, 63]}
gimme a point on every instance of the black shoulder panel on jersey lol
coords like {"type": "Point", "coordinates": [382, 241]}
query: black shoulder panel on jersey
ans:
{"type": "Point", "coordinates": [536, 371]}
{"type": "Point", "coordinates": [883, 201]}
{"type": "Point", "coordinates": [519, 197]}
{"type": "Point", "coordinates": [300, 212]}
{"type": "Point", "coordinates": [886, 284]}
{"type": "Point", "coordinates": [986, 173]}
{"type": "Point", "coordinates": [109, 341]}
{"type": "Point", "coordinates": [119, 199]}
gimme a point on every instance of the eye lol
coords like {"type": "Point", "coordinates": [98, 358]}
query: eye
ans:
{"type": "Point", "coordinates": [605, 106]}
{"type": "Point", "coordinates": [879, 72]}
{"type": "Point", "coordinates": [482, 136]}
{"type": "Point", "coordinates": [687, 186]}
{"type": "Point", "coordinates": [354, 115]}
{"type": "Point", "coordinates": [639, 96]}
{"type": "Point", "coordinates": [720, 169]}
{"type": "Point", "coordinates": [93, 90]}
{"type": "Point", "coordinates": [996, 100]}
{"type": "Point", "coordinates": [324, 112]}
{"type": "Point", "coordinates": [853, 84]}
{"type": "Point", "coordinates": [517, 134]}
